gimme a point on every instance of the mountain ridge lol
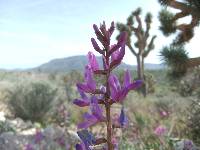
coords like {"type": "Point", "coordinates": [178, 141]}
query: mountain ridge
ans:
{"type": "Point", "coordinates": [78, 63]}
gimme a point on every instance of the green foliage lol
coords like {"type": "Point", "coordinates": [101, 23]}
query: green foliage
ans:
{"type": "Point", "coordinates": [32, 101]}
{"type": "Point", "coordinates": [168, 25]}
{"type": "Point", "coordinates": [148, 18]}
{"type": "Point", "coordinates": [168, 20]}
{"type": "Point", "coordinates": [195, 4]}
{"type": "Point", "coordinates": [126, 145]}
{"type": "Point", "coordinates": [5, 127]}
{"type": "Point", "coordinates": [176, 58]}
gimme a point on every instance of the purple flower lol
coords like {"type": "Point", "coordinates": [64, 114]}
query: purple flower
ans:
{"type": "Point", "coordinates": [117, 57]}
{"type": "Point", "coordinates": [160, 130]}
{"type": "Point", "coordinates": [87, 138]}
{"type": "Point", "coordinates": [38, 137]}
{"type": "Point", "coordinates": [84, 101]}
{"type": "Point", "coordinates": [121, 43]}
{"type": "Point", "coordinates": [164, 113]}
{"type": "Point", "coordinates": [29, 147]}
{"type": "Point", "coordinates": [118, 92]}
{"type": "Point", "coordinates": [115, 142]}
{"type": "Point", "coordinates": [123, 120]}
{"type": "Point", "coordinates": [93, 62]}
{"type": "Point", "coordinates": [95, 116]}
{"type": "Point", "coordinates": [188, 144]}
{"type": "Point", "coordinates": [80, 146]}
{"type": "Point", "coordinates": [89, 85]}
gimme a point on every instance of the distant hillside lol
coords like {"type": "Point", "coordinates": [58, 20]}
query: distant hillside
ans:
{"type": "Point", "coordinates": [78, 63]}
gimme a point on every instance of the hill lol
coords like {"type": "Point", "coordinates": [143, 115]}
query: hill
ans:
{"type": "Point", "coordinates": [79, 62]}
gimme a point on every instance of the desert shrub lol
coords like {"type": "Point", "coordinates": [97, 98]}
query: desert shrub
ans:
{"type": "Point", "coordinates": [194, 120]}
{"type": "Point", "coordinates": [150, 83]}
{"type": "Point", "coordinates": [190, 83]}
{"type": "Point", "coordinates": [32, 101]}
{"type": "Point", "coordinates": [69, 81]}
{"type": "Point", "coordinates": [5, 127]}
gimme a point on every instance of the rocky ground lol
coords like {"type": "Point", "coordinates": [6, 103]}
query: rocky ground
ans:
{"type": "Point", "coordinates": [19, 135]}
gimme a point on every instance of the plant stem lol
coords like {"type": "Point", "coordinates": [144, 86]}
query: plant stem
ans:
{"type": "Point", "coordinates": [109, 128]}
{"type": "Point", "coordinates": [108, 106]}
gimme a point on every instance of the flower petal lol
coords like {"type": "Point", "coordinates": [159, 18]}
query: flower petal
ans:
{"type": "Point", "coordinates": [115, 87]}
{"type": "Point", "coordinates": [123, 94]}
{"type": "Point", "coordinates": [89, 85]}
{"type": "Point", "coordinates": [92, 61]}
{"type": "Point", "coordinates": [82, 94]}
{"type": "Point", "coordinates": [122, 38]}
{"type": "Point", "coordinates": [127, 78]}
{"type": "Point", "coordinates": [86, 137]}
{"type": "Point", "coordinates": [89, 79]}
{"type": "Point", "coordinates": [114, 82]}
{"type": "Point", "coordinates": [136, 84]}
{"type": "Point", "coordinates": [80, 146]}
{"type": "Point", "coordinates": [96, 109]}
{"type": "Point", "coordinates": [89, 120]}
{"type": "Point", "coordinates": [123, 120]}
{"type": "Point", "coordinates": [81, 102]}
{"type": "Point", "coordinates": [118, 58]}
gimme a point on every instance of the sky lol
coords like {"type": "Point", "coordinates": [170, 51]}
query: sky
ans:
{"type": "Point", "coordinates": [33, 32]}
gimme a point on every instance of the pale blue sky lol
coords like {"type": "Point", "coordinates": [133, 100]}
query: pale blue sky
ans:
{"type": "Point", "coordinates": [33, 32]}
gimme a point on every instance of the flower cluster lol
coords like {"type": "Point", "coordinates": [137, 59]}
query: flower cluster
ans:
{"type": "Point", "coordinates": [112, 91]}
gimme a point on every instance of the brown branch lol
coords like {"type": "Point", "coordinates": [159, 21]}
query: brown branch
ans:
{"type": "Point", "coordinates": [132, 49]}
{"type": "Point", "coordinates": [179, 5]}
{"type": "Point", "coordinates": [183, 27]}
{"type": "Point", "coordinates": [150, 46]}
{"type": "Point", "coordinates": [184, 7]}
{"type": "Point", "coordinates": [180, 15]}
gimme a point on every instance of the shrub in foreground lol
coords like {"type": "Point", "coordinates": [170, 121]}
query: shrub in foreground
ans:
{"type": "Point", "coordinates": [32, 101]}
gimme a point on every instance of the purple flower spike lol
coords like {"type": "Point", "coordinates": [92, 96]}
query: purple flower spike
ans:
{"type": "Point", "coordinates": [95, 117]}
{"type": "Point", "coordinates": [93, 62]}
{"type": "Point", "coordinates": [123, 120]}
{"type": "Point", "coordinates": [89, 85]}
{"type": "Point", "coordinates": [84, 101]}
